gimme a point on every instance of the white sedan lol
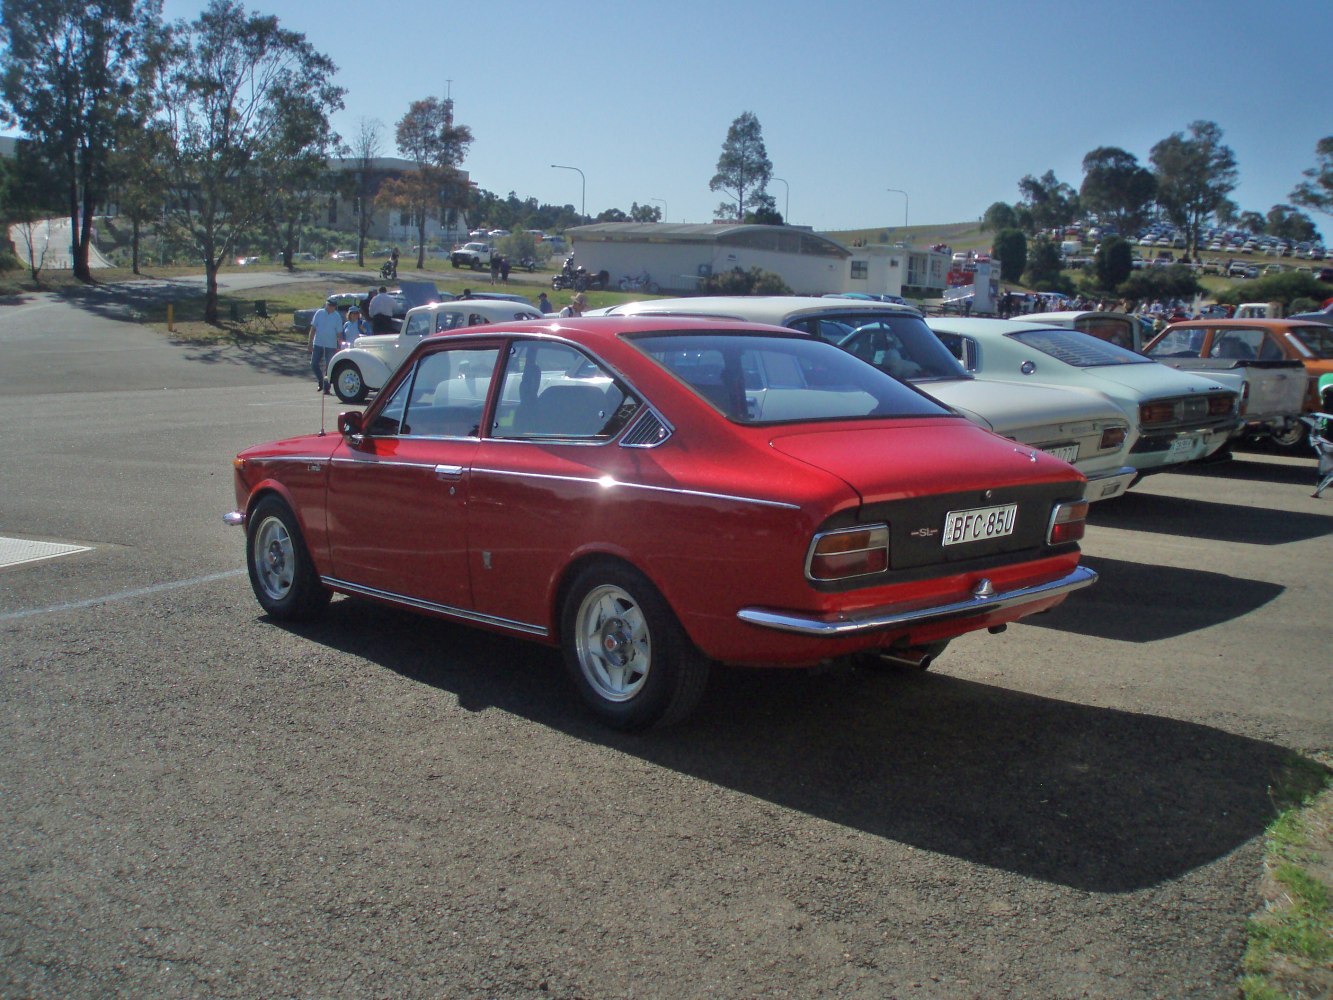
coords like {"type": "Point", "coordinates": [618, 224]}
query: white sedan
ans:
{"type": "Point", "coordinates": [1175, 417]}
{"type": "Point", "coordinates": [369, 361]}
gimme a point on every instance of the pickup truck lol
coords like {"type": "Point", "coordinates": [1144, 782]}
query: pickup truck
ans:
{"type": "Point", "coordinates": [1241, 355]}
{"type": "Point", "coordinates": [474, 255]}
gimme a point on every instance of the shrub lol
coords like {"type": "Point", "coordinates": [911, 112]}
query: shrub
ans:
{"type": "Point", "coordinates": [755, 281]}
{"type": "Point", "coordinates": [1285, 288]}
{"type": "Point", "coordinates": [1162, 283]}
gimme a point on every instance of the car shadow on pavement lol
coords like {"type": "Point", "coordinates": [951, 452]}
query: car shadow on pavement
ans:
{"type": "Point", "coordinates": [1208, 519]}
{"type": "Point", "coordinates": [1092, 798]}
{"type": "Point", "coordinates": [1256, 471]}
{"type": "Point", "coordinates": [1134, 602]}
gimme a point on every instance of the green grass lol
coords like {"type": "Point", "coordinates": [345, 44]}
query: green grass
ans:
{"type": "Point", "coordinates": [1290, 948]}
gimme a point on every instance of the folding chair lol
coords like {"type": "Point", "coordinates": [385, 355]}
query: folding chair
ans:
{"type": "Point", "coordinates": [262, 315]}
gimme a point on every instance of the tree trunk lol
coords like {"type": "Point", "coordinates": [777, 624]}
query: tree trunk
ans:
{"type": "Point", "coordinates": [211, 262]}
{"type": "Point", "coordinates": [134, 245]}
{"type": "Point", "coordinates": [421, 241]}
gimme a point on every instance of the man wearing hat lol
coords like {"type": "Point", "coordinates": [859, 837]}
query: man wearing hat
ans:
{"type": "Point", "coordinates": [356, 326]}
{"type": "Point", "coordinates": [576, 305]}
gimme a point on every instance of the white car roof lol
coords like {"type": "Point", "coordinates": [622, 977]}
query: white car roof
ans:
{"type": "Point", "coordinates": [776, 310]}
{"type": "Point", "coordinates": [497, 309]}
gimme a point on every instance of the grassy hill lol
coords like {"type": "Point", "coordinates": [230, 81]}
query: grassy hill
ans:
{"type": "Point", "coordinates": [959, 235]}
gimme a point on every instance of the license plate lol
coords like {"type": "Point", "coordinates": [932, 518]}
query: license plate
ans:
{"type": "Point", "coordinates": [979, 524]}
{"type": "Point", "coordinates": [1065, 452]}
{"type": "Point", "coordinates": [1181, 446]}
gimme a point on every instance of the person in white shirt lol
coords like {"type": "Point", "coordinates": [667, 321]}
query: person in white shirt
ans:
{"type": "Point", "coordinates": [381, 311]}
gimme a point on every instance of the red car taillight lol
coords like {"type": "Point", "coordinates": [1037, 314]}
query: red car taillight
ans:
{"type": "Point", "coordinates": [1157, 413]}
{"type": "Point", "coordinates": [1112, 437]}
{"type": "Point", "coordinates": [1067, 522]}
{"type": "Point", "coordinates": [849, 552]}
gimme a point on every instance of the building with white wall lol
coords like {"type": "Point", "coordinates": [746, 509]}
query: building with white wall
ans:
{"type": "Point", "coordinates": [679, 256]}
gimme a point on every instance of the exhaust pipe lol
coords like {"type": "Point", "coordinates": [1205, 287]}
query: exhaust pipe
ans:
{"type": "Point", "coordinates": [912, 658]}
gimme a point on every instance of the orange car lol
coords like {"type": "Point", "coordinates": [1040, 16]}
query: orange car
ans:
{"type": "Point", "coordinates": [1254, 340]}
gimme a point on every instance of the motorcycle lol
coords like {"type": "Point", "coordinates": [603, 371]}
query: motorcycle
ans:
{"type": "Point", "coordinates": [528, 264]}
{"type": "Point", "coordinates": [642, 283]}
{"type": "Point", "coordinates": [577, 277]}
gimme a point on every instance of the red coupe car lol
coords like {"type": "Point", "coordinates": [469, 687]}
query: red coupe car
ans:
{"type": "Point", "coordinates": [657, 494]}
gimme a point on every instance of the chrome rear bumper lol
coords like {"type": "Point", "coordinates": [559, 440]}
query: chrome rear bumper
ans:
{"type": "Point", "coordinates": [879, 619]}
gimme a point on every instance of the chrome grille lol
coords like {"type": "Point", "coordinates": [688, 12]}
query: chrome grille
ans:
{"type": "Point", "coordinates": [648, 432]}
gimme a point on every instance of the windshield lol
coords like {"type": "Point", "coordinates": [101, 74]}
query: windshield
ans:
{"type": "Point", "coordinates": [755, 379]}
{"type": "Point", "coordinates": [1317, 338]}
{"type": "Point", "coordinates": [1078, 349]}
{"type": "Point", "coordinates": [899, 344]}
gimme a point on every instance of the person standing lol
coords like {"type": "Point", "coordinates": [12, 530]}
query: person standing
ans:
{"type": "Point", "coordinates": [544, 304]}
{"type": "Point", "coordinates": [356, 326]}
{"type": "Point", "coordinates": [576, 306]}
{"type": "Point", "coordinates": [325, 326]}
{"type": "Point", "coordinates": [381, 311]}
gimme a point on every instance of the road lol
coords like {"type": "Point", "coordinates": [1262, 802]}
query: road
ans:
{"type": "Point", "coordinates": [200, 802]}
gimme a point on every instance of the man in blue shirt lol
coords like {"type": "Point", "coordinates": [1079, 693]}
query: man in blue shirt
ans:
{"type": "Point", "coordinates": [325, 328]}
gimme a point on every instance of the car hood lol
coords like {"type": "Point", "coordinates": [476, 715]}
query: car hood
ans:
{"type": "Point", "coordinates": [904, 458]}
{"type": "Point", "coordinates": [1155, 380]}
{"type": "Point", "coordinates": [1008, 407]}
{"type": "Point", "coordinates": [376, 341]}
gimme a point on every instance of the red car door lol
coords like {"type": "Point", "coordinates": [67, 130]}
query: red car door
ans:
{"type": "Point", "coordinates": [397, 498]}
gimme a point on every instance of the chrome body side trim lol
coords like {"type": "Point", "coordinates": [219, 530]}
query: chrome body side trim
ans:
{"type": "Point", "coordinates": [879, 619]}
{"type": "Point", "coordinates": [607, 482]}
{"type": "Point", "coordinates": [462, 614]}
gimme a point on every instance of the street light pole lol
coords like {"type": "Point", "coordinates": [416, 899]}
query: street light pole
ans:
{"type": "Point", "coordinates": [786, 212]}
{"type": "Point", "coordinates": [561, 166]}
{"type": "Point", "coordinates": [904, 194]}
{"type": "Point", "coordinates": [664, 207]}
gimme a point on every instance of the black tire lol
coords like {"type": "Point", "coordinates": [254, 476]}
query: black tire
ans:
{"type": "Point", "coordinates": [348, 383]}
{"type": "Point", "coordinates": [281, 573]}
{"type": "Point", "coordinates": [1291, 437]}
{"type": "Point", "coordinates": [626, 653]}
{"type": "Point", "coordinates": [454, 261]}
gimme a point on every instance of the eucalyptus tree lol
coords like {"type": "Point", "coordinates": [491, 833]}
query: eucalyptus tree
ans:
{"type": "Point", "coordinates": [428, 135]}
{"type": "Point", "coordinates": [1117, 187]}
{"type": "Point", "coordinates": [245, 106]}
{"type": "Point", "coordinates": [1316, 191]}
{"type": "Point", "coordinates": [1051, 202]}
{"type": "Point", "coordinates": [67, 74]}
{"type": "Point", "coordinates": [743, 167]}
{"type": "Point", "coordinates": [365, 150]}
{"type": "Point", "coordinates": [1195, 174]}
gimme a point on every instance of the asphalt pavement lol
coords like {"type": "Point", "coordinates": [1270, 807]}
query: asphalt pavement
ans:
{"type": "Point", "coordinates": [201, 802]}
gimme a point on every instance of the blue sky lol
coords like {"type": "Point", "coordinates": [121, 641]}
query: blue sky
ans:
{"type": "Point", "coordinates": [951, 103]}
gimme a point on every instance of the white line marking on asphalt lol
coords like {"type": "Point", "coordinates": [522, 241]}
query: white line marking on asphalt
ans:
{"type": "Point", "coordinates": [123, 595]}
{"type": "Point", "coordinates": [16, 551]}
